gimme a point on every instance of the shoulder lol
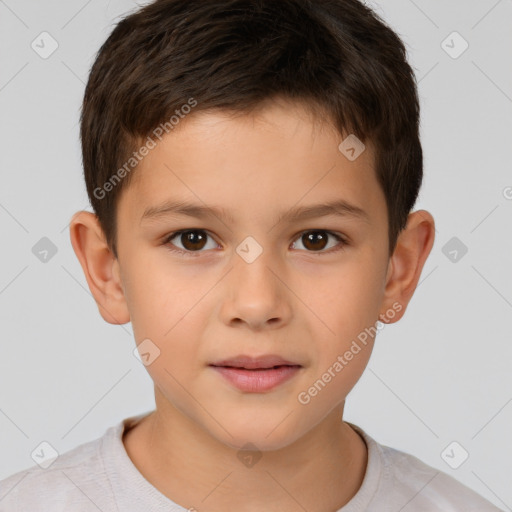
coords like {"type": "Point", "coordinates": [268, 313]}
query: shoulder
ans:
{"type": "Point", "coordinates": [430, 487]}
{"type": "Point", "coordinates": [406, 482]}
{"type": "Point", "coordinates": [75, 480]}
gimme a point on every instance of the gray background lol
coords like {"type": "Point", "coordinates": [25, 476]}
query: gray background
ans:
{"type": "Point", "coordinates": [441, 374]}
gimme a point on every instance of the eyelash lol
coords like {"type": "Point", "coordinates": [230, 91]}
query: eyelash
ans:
{"type": "Point", "coordinates": [172, 248]}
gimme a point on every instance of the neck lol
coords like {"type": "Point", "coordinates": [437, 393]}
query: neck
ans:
{"type": "Point", "coordinates": [193, 469]}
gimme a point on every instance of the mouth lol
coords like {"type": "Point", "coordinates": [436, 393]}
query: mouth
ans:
{"type": "Point", "coordinates": [256, 375]}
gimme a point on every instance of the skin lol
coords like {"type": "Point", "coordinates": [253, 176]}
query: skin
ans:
{"type": "Point", "coordinates": [298, 300]}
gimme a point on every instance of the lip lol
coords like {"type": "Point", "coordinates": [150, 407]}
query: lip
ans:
{"type": "Point", "coordinates": [255, 363]}
{"type": "Point", "coordinates": [256, 374]}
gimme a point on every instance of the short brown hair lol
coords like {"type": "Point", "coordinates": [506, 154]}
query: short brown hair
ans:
{"type": "Point", "coordinates": [336, 56]}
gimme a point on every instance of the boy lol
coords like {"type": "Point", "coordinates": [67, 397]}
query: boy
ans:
{"type": "Point", "coordinates": [253, 129]}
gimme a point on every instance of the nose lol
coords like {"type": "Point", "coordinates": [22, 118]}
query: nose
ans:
{"type": "Point", "coordinates": [255, 294]}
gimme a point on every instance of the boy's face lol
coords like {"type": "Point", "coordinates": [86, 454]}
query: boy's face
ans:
{"type": "Point", "coordinates": [300, 298]}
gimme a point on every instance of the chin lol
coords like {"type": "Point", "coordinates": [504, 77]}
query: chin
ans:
{"type": "Point", "coordinates": [267, 434]}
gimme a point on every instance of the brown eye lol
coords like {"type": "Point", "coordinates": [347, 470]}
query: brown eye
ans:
{"type": "Point", "coordinates": [191, 240]}
{"type": "Point", "coordinates": [314, 240]}
{"type": "Point", "coordinates": [317, 240]}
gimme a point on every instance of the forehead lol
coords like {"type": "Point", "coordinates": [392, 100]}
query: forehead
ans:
{"type": "Point", "coordinates": [277, 156]}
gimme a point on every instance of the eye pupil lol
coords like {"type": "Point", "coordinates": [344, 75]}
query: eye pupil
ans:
{"type": "Point", "coordinates": [190, 238]}
{"type": "Point", "coordinates": [194, 240]}
{"type": "Point", "coordinates": [313, 237]}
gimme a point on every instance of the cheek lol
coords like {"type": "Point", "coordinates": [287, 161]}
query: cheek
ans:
{"type": "Point", "coordinates": [158, 300]}
{"type": "Point", "coordinates": [333, 382]}
{"type": "Point", "coordinates": [347, 303]}
{"type": "Point", "coordinates": [166, 309]}
{"type": "Point", "coordinates": [348, 306]}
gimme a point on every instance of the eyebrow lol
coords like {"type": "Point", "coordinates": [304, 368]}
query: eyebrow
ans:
{"type": "Point", "coordinates": [339, 207]}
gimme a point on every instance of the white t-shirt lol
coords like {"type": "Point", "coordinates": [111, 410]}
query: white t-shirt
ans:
{"type": "Point", "coordinates": [100, 476]}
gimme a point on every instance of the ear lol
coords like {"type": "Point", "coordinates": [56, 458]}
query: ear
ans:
{"type": "Point", "coordinates": [406, 264]}
{"type": "Point", "coordinates": [100, 267]}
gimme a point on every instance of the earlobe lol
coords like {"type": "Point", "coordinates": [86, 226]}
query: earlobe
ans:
{"type": "Point", "coordinates": [412, 249]}
{"type": "Point", "coordinates": [98, 264]}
